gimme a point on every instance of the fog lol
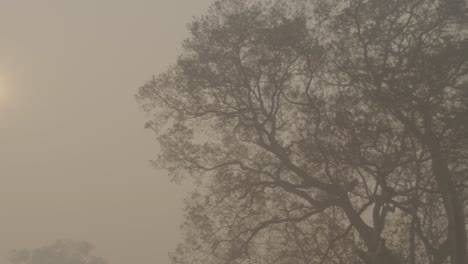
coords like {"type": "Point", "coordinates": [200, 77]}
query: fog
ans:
{"type": "Point", "coordinates": [74, 156]}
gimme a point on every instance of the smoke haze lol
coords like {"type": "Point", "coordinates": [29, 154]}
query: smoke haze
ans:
{"type": "Point", "coordinates": [73, 151]}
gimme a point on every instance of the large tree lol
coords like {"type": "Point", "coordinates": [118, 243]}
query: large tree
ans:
{"type": "Point", "coordinates": [319, 132]}
{"type": "Point", "coordinates": [410, 59]}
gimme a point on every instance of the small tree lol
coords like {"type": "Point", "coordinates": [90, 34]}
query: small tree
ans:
{"type": "Point", "coordinates": [60, 252]}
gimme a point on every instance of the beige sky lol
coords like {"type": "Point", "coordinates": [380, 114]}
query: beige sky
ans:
{"type": "Point", "coordinates": [73, 151]}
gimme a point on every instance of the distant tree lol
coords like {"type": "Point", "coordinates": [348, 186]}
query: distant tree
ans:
{"type": "Point", "coordinates": [61, 252]}
{"type": "Point", "coordinates": [319, 132]}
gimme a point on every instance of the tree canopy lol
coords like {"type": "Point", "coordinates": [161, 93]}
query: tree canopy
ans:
{"type": "Point", "coordinates": [319, 131]}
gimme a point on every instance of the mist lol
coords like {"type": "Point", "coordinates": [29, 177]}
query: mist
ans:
{"type": "Point", "coordinates": [74, 155]}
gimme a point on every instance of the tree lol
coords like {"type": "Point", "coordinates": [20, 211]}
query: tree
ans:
{"type": "Point", "coordinates": [318, 132]}
{"type": "Point", "coordinates": [414, 69]}
{"type": "Point", "coordinates": [60, 252]}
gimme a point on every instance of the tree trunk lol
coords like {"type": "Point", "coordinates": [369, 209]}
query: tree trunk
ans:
{"type": "Point", "coordinates": [377, 251]}
{"type": "Point", "coordinates": [452, 204]}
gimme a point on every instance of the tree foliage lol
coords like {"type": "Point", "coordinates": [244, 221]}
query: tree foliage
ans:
{"type": "Point", "coordinates": [319, 131]}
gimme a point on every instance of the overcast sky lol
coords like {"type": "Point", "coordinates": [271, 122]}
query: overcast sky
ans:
{"type": "Point", "coordinates": [73, 151]}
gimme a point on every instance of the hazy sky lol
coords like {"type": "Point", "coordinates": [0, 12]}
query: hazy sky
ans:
{"type": "Point", "coordinates": [73, 151]}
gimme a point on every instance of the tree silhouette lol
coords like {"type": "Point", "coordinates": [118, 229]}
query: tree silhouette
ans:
{"type": "Point", "coordinates": [319, 132]}
{"type": "Point", "coordinates": [60, 252]}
